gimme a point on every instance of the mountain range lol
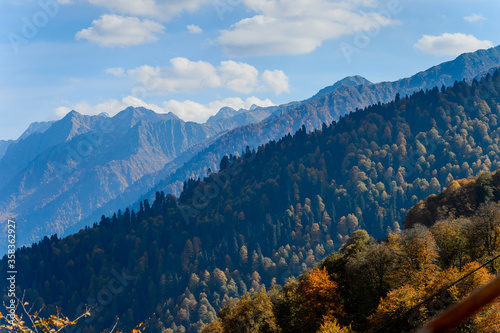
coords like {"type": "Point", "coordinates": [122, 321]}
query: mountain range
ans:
{"type": "Point", "coordinates": [276, 211]}
{"type": "Point", "coordinates": [60, 176]}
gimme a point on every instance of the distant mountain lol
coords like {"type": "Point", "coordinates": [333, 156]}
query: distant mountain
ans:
{"type": "Point", "coordinates": [240, 117]}
{"type": "Point", "coordinates": [22, 152]}
{"type": "Point", "coordinates": [250, 116]}
{"type": "Point", "coordinates": [350, 81]}
{"type": "Point", "coordinates": [225, 112]}
{"type": "Point", "coordinates": [36, 127]}
{"type": "Point", "coordinates": [465, 67]}
{"type": "Point", "coordinates": [59, 173]}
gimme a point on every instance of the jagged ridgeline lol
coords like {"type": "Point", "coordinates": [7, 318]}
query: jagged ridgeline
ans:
{"type": "Point", "coordinates": [267, 215]}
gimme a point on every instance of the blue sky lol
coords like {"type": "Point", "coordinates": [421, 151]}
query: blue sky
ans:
{"type": "Point", "coordinates": [192, 57]}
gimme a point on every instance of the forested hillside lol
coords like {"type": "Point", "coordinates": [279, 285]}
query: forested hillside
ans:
{"type": "Point", "coordinates": [396, 285]}
{"type": "Point", "coordinates": [269, 214]}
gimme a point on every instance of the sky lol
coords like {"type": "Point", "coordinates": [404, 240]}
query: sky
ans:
{"type": "Point", "coordinates": [192, 57]}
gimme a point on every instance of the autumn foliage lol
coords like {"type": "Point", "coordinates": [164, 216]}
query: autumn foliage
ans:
{"type": "Point", "coordinates": [319, 298]}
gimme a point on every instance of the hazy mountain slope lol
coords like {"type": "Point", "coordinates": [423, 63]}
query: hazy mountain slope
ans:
{"type": "Point", "coordinates": [148, 181]}
{"type": "Point", "coordinates": [4, 144]}
{"type": "Point", "coordinates": [22, 152]}
{"type": "Point", "coordinates": [55, 178]}
{"type": "Point", "coordinates": [232, 118]}
{"type": "Point", "coordinates": [465, 67]}
{"type": "Point", "coordinates": [224, 113]}
{"type": "Point", "coordinates": [35, 127]}
{"type": "Point", "coordinates": [351, 81]}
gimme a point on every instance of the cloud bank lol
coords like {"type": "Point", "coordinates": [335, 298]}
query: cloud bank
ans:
{"type": "Point", "coordinates": [297, 26]}
{"type": "Point", "coordinates": [451, 44]}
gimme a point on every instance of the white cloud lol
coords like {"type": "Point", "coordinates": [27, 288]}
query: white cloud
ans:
{"type": "Point", "coordinates": [116, 71]}
{"type": "Point", "coordinates": [194, 29]}
{"type": "Point", "coordinates": [184, 75]}
{"type": "Point", "coordinates": [276, 80]}
{"type": "Point", "coordinates": [475, 18]}
{"type": "Point", "coordinates": [238, 76]}
{"type": "Point", "coordinates": [188, 110]}
{"type": "Point", "coordinates": [111, 107]}
{"type": "Point", "coordinates": [298, 26]}
{"type": "Point", "coordinates": [159, 9]}
{"type": "Point", "coordinates": [451, 44]}
{"type": "Point", "coordinates": [61, 111]}
{"type": "Point", "coordinates": [115, 30]}
{"type": "Point", "coordinates": [136, 102]}
{"type": "Point", "coordinates": [193, 111]}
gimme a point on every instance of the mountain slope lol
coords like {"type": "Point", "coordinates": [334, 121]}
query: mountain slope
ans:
{"type": "Point", "coordinates": [270, 214]}
{"type": "Point", "coordinates": [225, 112]}
{"type": "Point", "coordinates": [350, 81]}
{"type": "Point", "coordinates": [4, 144]}
{"type": "Point", "coordinates": [19, 154]}
{"type": "Point", "coordinates": [35, 127]}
